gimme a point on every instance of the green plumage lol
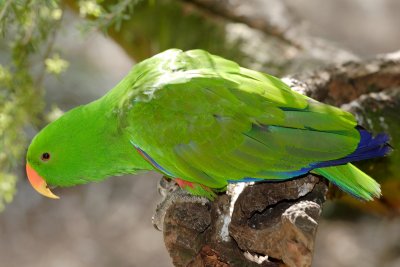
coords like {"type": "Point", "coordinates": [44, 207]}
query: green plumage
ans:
{"type": "Point", "coordinates": [205, 120]}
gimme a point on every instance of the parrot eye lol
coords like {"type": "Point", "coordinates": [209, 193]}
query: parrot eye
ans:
{"type": "Point", "coordinates": [45, 156]}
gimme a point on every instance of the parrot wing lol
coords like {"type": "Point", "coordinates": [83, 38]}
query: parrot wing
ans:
{"type": "Point", "coordinates": [206, 120]}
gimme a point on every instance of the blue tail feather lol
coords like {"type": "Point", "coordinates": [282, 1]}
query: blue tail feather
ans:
{"type": "Point", "coordinates": [369, 147]}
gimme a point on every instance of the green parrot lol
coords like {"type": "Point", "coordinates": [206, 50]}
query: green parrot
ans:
{"type": "Point", "coordinates": [206, 122]}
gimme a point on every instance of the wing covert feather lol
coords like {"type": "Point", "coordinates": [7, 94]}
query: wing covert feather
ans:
{"type": "Point", "coordinates": [212, 121]}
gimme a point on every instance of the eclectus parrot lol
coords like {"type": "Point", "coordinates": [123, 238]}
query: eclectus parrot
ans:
{"type": "Point", "coordinates": [206, 122]}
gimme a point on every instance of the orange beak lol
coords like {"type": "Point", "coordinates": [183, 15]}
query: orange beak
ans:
{"type": "Point", "coordinates": [38, 183]}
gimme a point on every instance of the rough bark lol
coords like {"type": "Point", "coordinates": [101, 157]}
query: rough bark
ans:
{"type": "Point", "coordinates": [241, 228]}
{"type": "Point", "coordinates": [343, 83]}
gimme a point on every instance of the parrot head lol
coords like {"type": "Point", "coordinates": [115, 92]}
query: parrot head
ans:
{"type": "Point", "coordinates": [57, 149]}
{"type": "Point", "coordinates": [79, 147]}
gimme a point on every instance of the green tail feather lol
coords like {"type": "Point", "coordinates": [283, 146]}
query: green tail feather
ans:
{"type": "Point", "coordinates": [351, 179]}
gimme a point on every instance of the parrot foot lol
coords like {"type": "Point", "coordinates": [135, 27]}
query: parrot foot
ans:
{"type": "Point", "coordinates": [172, 193]}
{"type": "Point", "coordinates": [165, 186]}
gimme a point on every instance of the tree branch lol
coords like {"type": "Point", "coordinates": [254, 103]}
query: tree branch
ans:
{"type": "Point", "coordinates": [340, 84]}
{"type": "Point", "coordinates": [271, 35]}
{"type": "Point", "coordinates": [242, 227]}
{"type": "Point", "coordinates": [253, 14]}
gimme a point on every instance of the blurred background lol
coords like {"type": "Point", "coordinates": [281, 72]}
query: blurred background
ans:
{"type": "Point", "coordinates": [55, 55]}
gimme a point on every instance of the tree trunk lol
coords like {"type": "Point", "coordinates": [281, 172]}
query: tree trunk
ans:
{"type": "Point", "coordinates": [244, 226]}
